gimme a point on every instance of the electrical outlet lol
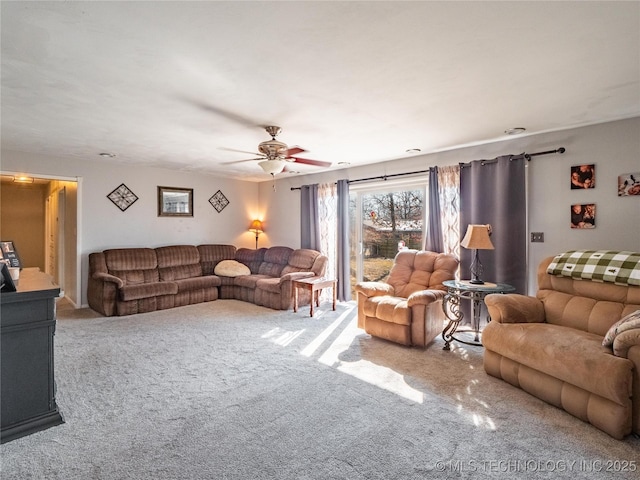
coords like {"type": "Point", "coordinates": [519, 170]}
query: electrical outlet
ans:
{"type": "Point", "coordinates": [537, 236]}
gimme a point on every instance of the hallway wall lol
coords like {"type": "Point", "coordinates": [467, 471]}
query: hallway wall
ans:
{"type": "Point", "coordinates": [22, 220]}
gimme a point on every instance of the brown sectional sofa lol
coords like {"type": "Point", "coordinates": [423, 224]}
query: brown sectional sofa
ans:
{"type": "Point", "coordinates": [551, 346]}
{"type": "Point", "coordinates": [125, 281]}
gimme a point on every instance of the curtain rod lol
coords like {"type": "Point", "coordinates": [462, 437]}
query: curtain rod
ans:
{"type": "Point", "coordinates": [381, 177]}
{"type": "Point", "coordinates": [527, 157]}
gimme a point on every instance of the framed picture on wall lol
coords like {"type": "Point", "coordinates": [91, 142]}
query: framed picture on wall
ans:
{"type": "Point", "coordinates": [583, 176]}
{"type": "Point", "coordinates": [175, 202]}
{"type": "Point", "coordinates": [9, 253]}
{"type": "Point", "coordinates": [629, 184]}
{"type": "Point", "coordinates": [583, 215]}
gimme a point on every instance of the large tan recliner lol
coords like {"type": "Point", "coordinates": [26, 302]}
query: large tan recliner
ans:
{"type": "Point", "coordinates": [551, 346]}
{"type": "Point", "coordinates": [407, 308]}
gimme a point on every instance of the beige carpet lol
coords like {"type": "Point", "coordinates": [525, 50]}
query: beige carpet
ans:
{"type": "Point", "coordinates": [229, 390]}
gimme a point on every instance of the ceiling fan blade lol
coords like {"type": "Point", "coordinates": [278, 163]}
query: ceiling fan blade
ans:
{"type": "Point", "coordinates": [237, 151]}
{"type": "Point", "coordinates": [244, 161]}
{"type": "Point", "coordinates": [315, 163]}
{"type": "Point", "coordinates": [294, 151]}
{"type": "Point", "coordinates": [242, 120]}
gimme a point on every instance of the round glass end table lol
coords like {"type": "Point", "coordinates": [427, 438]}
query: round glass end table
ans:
{"type": "Point", "coordinates": [456, 291]}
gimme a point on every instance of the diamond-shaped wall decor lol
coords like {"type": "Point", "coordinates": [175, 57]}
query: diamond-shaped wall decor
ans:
{"type": "Point", "coordinates": [122, 197]}
{"type": "Point", "coordinates": [218, 201]}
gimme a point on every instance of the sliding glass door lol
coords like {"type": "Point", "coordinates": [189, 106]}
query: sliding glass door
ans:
{"type": "Point", "coordinates": [383, 221]}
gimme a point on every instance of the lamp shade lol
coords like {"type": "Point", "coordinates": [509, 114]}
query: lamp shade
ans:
{"type": "Point", "coordinates": [272, 167]}
{"type": "Point", "coordinates": [477, 238]}
{"type": "Point", "coordinates": [256, 226]}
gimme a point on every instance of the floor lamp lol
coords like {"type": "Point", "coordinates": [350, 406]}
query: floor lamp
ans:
{"type": "Point", "coordinates": [257, 228]}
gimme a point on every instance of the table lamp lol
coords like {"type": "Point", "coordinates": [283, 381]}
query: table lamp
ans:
{"type": "Point", "coordinates": [477, 238]}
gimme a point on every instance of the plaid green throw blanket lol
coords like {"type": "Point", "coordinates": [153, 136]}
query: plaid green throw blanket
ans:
{"type": "Point", "coordinates": [622, 268]}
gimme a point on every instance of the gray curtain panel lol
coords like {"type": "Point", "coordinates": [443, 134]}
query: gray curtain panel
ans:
{"type": "Point", "coordinates": [309, 221]}
{"type": "Point", "coordinates": [343, 266]}
{"type": "Point", "coordinates": [493, 192]}
{"type": "Point", "coordinates": [434, 241]}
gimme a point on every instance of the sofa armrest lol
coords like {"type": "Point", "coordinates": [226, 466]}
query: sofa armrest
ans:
{"type": "Point", "coordinates": [287, 277]}
{"type": "Point", "coordinates": [374, 289]}
{"type": "Point", "coordinates": [514, 308]}
{"type": "Point", "coordinates": [425, 297]}
{"type": "Point", "coordinates": [624, 341]}
{"type": "Point", "coordinates": [106, 277]}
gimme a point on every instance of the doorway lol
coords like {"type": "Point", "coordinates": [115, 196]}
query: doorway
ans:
{"type": "Point", "coordinates": [40, 215]}
{"type": "Point", "coordinates": [384, 219]}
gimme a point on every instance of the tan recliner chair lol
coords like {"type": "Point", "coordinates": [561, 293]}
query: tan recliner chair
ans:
{"type": "Point", "coordinates": [407, 308]}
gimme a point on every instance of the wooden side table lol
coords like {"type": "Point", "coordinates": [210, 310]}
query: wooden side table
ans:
{"type": "Point", "coordinates": [315, 286]}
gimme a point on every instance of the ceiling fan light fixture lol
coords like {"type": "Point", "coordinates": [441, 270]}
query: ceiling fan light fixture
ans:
{"type": "Point", "coordinates": [273, 148]}
{"type": "Point", "coordinates": [272, 167]}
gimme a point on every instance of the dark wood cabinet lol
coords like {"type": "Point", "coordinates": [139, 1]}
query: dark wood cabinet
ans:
{"type": "Point", "coordinates": [27, 383]}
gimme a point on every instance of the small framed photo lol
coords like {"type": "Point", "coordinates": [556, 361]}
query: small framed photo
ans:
{"type": "Point", "coordinates": [175, 202]}
{"type": "Point", "coordinates": [9, 253]}
{"type": "Point", "coordinates": [583, 176]}
{"type": "Point", "coordinates": [8, 284]}
{"type": "Point", "coordinates": [629, 184]}
{"type": "Point", "coordinates": [583, 215]}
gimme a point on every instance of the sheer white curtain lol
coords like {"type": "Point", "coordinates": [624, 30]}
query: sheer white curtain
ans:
{"type": "Point", "coordinates": [449, 190]}
{"type": "Point", "coordinates": [328, 222]}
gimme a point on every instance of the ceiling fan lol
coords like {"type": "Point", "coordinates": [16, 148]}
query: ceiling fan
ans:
{"type": "Point", "coordinates": [276, 154]}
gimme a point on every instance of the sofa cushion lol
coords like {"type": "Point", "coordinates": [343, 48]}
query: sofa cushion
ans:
{"type": "Point", "coordinates": [248, 281]}
{"type": "Point", "coordinates": [197, 283]}
{"type": "Point", "coordinates": [134, 266]}
{"type": "Point", "coordinates": [415, 270]}
{"type": "Point", "coordinates": [580, 312]}
{"type": "Point", "coordinates": [573, 356]}
{"type": "Point", "coordinates": [251, 258]}
{"type": "Point", "coordinates": [275, 259]}
{"type": "Point", "coordinates": [626, 323]}
{"type": "Point", "coordinates": [177, 262]}
{"type": "Point", "coordinates": [136, 277]}
{"type": "Point", "coordinates": [231, 268]}
{"type": "Point", "coordinates": [177, 255]}
{"type": "Point", "coordinates": [211, 255]}
{"type": "Point", "coordinates": [146, 290]}
{"type": "Point", "coordinates": [269, 285]}
{"type": "Point", "coordinates": [388, 308]}
{"type": "Point", "coordinates": [300, 260]}
{"type": "Point", "coordinates": [124, 259]}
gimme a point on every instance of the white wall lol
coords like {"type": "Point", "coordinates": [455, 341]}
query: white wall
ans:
{"type": "Point", "coordinates": [102, 225]}
{"type": "Point", "coordinates": [613, 147]}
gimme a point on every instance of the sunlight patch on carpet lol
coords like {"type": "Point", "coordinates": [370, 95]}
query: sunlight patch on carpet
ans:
{"type": "Point", "coordinates": [320, 339]}
{"type": "Point", "coordinates": [282, 337]}
{"type": "Point", "coordinates": [364, 370]}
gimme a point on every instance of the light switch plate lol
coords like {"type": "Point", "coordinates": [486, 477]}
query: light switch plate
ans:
{"type": "Point", "coordinates": [537, 236]}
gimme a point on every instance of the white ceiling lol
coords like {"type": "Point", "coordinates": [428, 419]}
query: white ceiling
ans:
{"type": "Point", "coordinates": [174, 84]}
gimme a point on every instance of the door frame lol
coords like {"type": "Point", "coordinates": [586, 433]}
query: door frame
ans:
{"type": "Point", "coordinates": [77, 288]}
